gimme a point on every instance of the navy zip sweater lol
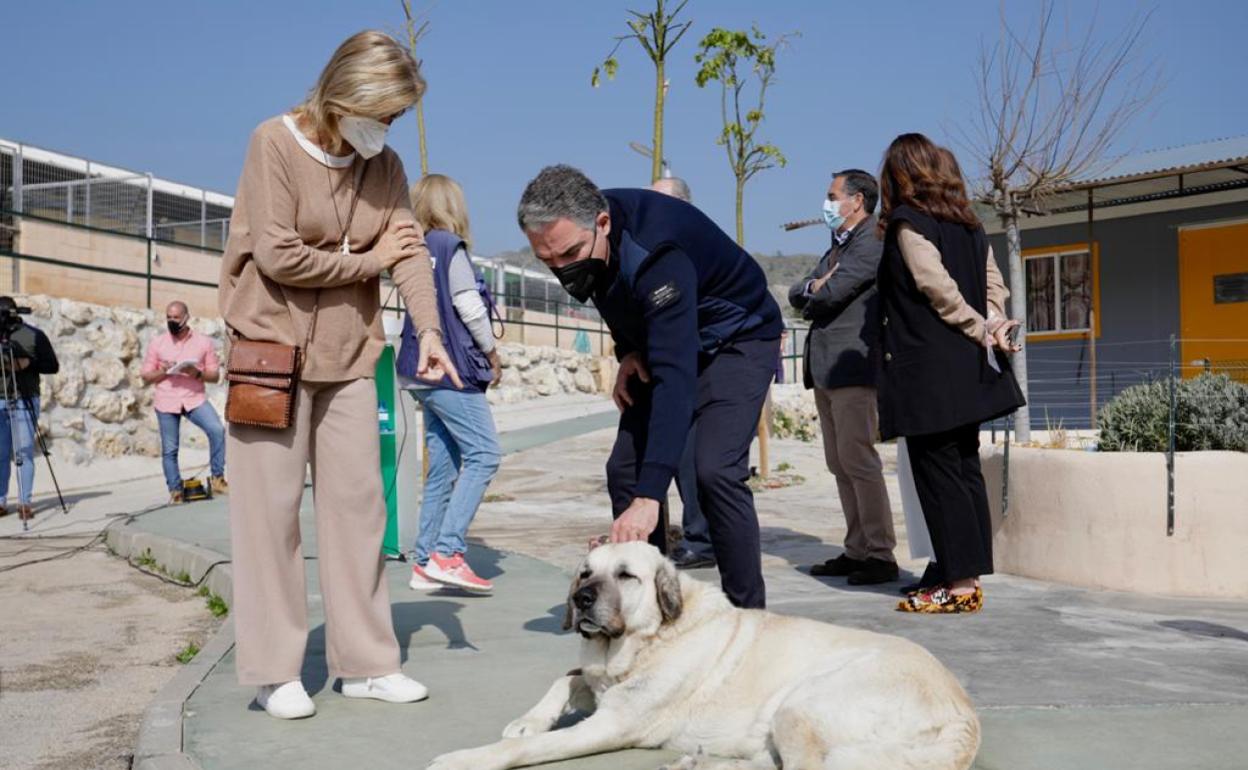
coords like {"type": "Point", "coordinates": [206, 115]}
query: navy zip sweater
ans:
{"type": "Point", "coordinates": [679, 290]}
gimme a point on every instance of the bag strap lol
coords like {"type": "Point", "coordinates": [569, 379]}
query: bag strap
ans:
{"type": "Point", "coordinates": [346, 240]}
{"type": "Point", "coordinates": [492, 310]}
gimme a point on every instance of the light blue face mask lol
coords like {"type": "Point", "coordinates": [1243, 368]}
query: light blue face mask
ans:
{"type": "Point", "coordinates": [832, 215]}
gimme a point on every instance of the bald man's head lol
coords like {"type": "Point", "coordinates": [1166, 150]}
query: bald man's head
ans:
{"type": "Point", "coordinates": [176, 316]}
{"type": "Point", "coordinates": [673, 186]}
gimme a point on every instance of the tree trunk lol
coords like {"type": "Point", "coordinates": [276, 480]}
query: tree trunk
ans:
{"type": "Point", "coordinates": [656, 166]}
{"type": "Point", "coordinates": [1018, 310]}
{"type": "Point", "coordinates": [420, 129]}
{"type": "Point", "coordinates": [740, 213]}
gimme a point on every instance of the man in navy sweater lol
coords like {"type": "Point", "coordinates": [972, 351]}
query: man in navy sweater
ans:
{"type": "Point", "coordinates": [696, 333]}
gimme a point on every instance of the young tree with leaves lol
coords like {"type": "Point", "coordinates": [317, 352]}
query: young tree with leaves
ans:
{"type": "Point", "coordinates": [735, 58]}
{"type": "Point", "coordinates": [1049, 113]}
{"type": "Point", "coordinates": [657, 33]}
{"type": "Point", "coordinates": [417, 29]}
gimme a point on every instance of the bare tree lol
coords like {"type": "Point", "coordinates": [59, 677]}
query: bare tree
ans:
{"type": "Point", "coordinates": [416, 29]}
{"type": "Point", "coordinates": [1049, 112]}
{"type": "Point", "coordinates": [731, 57]}
{"type": "Point", "coordinates": [658, 34]}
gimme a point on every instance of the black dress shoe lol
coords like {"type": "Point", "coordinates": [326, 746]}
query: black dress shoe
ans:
{"type": "Point", "coordinates": [838, 567]}
{"type": "Point", "coordinates": [684, 559]}
{"type": "Point", "coordinates": [874, 572]}
{"type": "Point", "coordinates": [930, 579]}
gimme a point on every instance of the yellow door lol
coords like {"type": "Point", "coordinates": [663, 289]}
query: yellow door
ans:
{"type": "Point", "coordinates": [1213, 299]}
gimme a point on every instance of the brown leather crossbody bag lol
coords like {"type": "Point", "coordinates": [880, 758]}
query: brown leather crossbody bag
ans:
{"type": "Point", "coordinates": [263, 377]}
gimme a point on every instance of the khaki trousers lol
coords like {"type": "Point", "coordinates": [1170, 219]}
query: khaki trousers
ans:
{"type": "Point", "coordinates": [850, 423]}
{"type": "Point", "coordinates": [335, 431]}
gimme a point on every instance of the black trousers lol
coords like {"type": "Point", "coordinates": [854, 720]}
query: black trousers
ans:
{"type": "Point", "coordinates": [732, 387]}
{"type": "Point", "coordinates": [951, 490]}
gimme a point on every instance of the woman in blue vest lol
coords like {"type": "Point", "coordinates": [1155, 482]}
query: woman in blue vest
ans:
{"type": "Point", "coordinates": [460, 436]}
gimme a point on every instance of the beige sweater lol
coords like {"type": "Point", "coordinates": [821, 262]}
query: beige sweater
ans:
{"type": "Point", "coordinates": [285, 245]}
{"type": "Point", "coordinates": [923, 259]}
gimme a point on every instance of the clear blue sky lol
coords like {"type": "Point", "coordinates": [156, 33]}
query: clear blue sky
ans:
{"type": "Point", "coordinates": [175, 88]}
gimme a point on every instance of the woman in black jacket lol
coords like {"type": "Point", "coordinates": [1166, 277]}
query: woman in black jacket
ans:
{"type": "Point", "coordinates": [944, 370]}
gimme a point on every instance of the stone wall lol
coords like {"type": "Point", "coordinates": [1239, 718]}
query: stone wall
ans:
{"type": "Point", "coordinates": [532, 372]}
{"type": "Point", "coordinates": [793, 413]}
{"type": "Point", "coordinates": [99, 406]}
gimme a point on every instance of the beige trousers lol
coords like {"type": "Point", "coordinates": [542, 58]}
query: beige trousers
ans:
{"type": "Point", "coordinates": [334, 430]}
{"type": "Point", "coordinates": [850, 423]}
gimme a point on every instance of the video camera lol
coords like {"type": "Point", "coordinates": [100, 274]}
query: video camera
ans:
{"type": "Point", "coordinates": [11, 319]}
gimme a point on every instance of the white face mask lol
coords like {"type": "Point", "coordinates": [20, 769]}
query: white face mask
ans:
{"type": "Point", "coordinates": [365, 135]}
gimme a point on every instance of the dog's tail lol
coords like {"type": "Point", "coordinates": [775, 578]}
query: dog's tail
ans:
{"type": "Point", "coordinates": [951, 747]}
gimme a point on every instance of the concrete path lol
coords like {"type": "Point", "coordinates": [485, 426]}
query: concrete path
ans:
{"type": "Point", "coordinates": [1063, 677]}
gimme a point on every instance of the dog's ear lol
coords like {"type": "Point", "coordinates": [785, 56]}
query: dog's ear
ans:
{"type": "Point", "coordinates": [568, 606]}
{"type": "Point", "coordinates": [667, 587]}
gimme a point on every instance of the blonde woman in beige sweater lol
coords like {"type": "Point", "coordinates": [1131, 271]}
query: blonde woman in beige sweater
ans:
{"type": "Point", "coordinates": [299, 268]}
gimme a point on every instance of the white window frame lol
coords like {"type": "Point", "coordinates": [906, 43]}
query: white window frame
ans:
{"type": "Point", "coordinates": [1059, 316]}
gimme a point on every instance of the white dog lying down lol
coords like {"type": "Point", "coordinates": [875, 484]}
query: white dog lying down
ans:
{"type": "Point", "coordinates": [667, 662]}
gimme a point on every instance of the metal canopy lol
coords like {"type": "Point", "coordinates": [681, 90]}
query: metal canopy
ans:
{"type": "Point", "coordinates": [1175, 172]}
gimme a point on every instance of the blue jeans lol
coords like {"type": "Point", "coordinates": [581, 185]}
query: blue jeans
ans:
{"type": "Point", "coordinates": [18, 423]}
{"type": "Point", "coordinates": [203, 417]}
{"type": "Point", "coordinates": [463, 458]}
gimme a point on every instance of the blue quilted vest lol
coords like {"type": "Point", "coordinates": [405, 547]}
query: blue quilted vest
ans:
{"type": "Point", "coordinates": [469, 361]}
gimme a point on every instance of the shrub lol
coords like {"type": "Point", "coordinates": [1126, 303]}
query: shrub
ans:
{"type": "Point", "coordinates": [1211, 412]}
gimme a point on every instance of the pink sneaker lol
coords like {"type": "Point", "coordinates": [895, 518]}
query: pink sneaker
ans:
{"type": "Point", "coordinates": [454, 571]}
{"type": "Point", "coordinates": [421, 581]}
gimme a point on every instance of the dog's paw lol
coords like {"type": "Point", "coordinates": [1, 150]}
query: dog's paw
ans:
{"type": "Point", "coordinates": [525, 726]}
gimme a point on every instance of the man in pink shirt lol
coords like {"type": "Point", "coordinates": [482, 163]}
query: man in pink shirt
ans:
{"type": "Point", "coordinates": [178, 364]}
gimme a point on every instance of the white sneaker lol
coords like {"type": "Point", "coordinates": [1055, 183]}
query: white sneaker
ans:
{"type": "Point", "coordinates": [393, 688]}
{"type": "Point", "coordinates": [285, 701]}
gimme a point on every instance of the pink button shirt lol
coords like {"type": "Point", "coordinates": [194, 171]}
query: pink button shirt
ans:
{"type": "Point", "coordinates": [180, 392]}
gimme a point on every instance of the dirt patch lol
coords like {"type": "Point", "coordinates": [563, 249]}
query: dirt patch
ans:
{"type": "Point", "coordinates": [107, 745]}
{"type": "Point", "coordinates": [86, 642]}
{"type": "Point", "coordinates": [72, 671]}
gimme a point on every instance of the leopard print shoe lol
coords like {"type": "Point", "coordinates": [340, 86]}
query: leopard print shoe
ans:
{"type": "Point", "coordinates": [939, 600]}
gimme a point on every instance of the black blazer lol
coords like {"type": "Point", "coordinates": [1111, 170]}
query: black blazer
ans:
{"type": "Point", "coordinates": [932, 377]}
{"type": "Point", "coordinates": [844, 320]}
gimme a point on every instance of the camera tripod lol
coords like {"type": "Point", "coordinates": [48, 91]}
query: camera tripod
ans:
{"type": "Point", "coordinates": [14, 398]}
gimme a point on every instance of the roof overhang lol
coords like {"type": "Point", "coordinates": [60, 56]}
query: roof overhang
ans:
{"type": "Point", "coordinates": [1181, 182]}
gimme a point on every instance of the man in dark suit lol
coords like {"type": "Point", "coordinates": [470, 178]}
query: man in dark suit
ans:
{"type": "Point", "coordinates": [838, 297]}
{"type": "Point", "coordinates": [696, 333]}
{"type": "Point", "coordinates": [694, 550]}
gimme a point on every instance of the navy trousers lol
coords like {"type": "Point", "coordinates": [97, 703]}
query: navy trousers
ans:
{"type": "Point", "coordinates": [732, 386]}
{"type": "Point", "coordinates": [697, 534]}
{"type": "Point", "coordinates": [951, 490]}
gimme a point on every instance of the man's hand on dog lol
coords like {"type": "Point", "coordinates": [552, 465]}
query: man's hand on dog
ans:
{"type": "Point", "coordinates": [637, 521]}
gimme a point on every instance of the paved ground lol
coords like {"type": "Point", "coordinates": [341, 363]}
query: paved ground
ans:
{"type": "Point", "coordinates": [1064, 678]}
{"type": "Point", "coordinates": [85, 639]}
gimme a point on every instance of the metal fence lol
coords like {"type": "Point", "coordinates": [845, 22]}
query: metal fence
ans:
{"type": "Point", "coordinates": [525, 298]}
{"type": "Point", "coordinates": [78, 191]}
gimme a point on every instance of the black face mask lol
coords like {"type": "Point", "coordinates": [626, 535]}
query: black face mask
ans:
{"type": "Point", "coordinates": [581, 278]}
{"type": "Point", "coordinates": [175, 328]}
